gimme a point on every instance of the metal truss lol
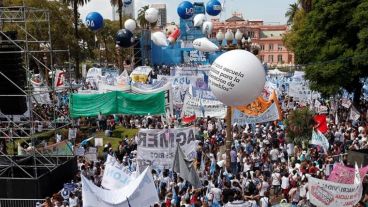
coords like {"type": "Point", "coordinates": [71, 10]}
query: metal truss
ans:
{"type": "Point", "coordinates": [23, 129]}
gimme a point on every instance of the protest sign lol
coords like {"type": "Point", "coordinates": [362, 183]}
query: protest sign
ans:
{"type": "Point", "coordinates": [327, 194]}
{"type": "Point", "coordinates": [156, 147]}
{"type": "Point", "coordinates": [140, 192]}
{"type": "Point", "coordinates": [91, 154]}
{"type": "Point", "coordinates": [72, 133]}
{"type": "Point", "coordinates": [271, 114]}
{"type": "Point", "coordinates": [342, 174]}
{"type": "Point", "coordinates": [203, 107]}
{"type": "Point", "coordinates": [115, 175]}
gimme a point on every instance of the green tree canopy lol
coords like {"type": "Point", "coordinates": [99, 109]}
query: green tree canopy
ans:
{"type": "Point", "coordinates": [331, 40]}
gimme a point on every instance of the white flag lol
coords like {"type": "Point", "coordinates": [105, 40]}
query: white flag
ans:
{"type": "Point", "coordinates": [354, 114]}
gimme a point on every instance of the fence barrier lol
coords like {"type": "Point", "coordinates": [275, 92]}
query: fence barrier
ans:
{"type": "Point", "coordinates": [15, 202]}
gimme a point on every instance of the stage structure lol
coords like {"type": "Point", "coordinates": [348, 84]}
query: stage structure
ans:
{"type": "Point", "coordinates": [22, 54]}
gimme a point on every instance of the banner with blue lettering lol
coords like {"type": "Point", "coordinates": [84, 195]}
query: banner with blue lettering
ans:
{"type": "Point", "coordinates": [271, 114]}
{"type": "Point", "coordinates": [115, 175]}
{"type": "Point", "coordinates": [156, 147]}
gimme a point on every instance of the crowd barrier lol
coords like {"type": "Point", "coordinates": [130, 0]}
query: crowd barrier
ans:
{"type": "Point", "coordinates": [10, 202]}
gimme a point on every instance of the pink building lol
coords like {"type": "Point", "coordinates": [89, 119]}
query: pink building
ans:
{"type": "Point", "coordinates": [268, 37]}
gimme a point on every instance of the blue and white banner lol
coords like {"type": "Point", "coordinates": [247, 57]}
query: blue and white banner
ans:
{"type": "Point", "coordinates": [115, 175]}
{"type": "Point", "coordinates": [319, 139]}
{"type": "Point", "coordinates": [271, 114]}
{"type": "Point", "coordinates": [158, 86]}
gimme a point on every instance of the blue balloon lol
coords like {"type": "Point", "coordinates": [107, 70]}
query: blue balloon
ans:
{"type": "Point", "coordinates": [213, 7]}
{"type": "Point", "coordinates": [185, 10]}
{"type": "Point", "coordinates": [94, 21]}
{"type": "Point", "coordinates": [127, 2]}
{"type": "Point", "coordinates": [124, 38]}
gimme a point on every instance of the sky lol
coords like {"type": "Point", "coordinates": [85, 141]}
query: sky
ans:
{"type": "Point", "coordinates": [271, 11]}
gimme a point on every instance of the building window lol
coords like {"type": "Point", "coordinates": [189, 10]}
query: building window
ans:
{"type": "Point", "coordinates": [270, 58]}
{"type": "Point", "coordinates": [262, 58]}
{"type": "Point", "coordinates": [262, 47]}
{"type": "Point", "coordinates": [279, 59]}
{"type": "Point", "coordinates": [270, 47]}
{"type": "Point", "coordinates": [279, 47]}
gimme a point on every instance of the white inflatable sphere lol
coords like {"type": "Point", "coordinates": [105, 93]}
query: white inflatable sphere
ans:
{"type": "Point", "coordinates": [198, 20]}
{"type": "Point", "coordinates": [237, 78]}
{"type": "Point", "coordinates": [207, 27]}
{"type": "Point", "coordinates": [238, 34]}
{"type": "Point", "coordinates": [151, 15]}
{"type": "Point", "coordinates": [130, 25]}
{"type": "Point", "coordinates": [205, 45]}
{"type": "Point", "coordinates": [159, 39]}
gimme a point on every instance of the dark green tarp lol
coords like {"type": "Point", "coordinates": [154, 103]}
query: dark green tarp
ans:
{"type": "Point", "coordinates": [116, 102]}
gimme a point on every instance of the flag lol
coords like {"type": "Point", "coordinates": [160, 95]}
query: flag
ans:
{"type": "Point", "coordinates": [185, 168]}
{"type": "Point", "coordinates": [319, 139]}
{"type": "Point", "coordinates": [321, 123]}
{"type": "Point", "coordinates": [354, 114]}
{"type": "Point", "coordinates": [189, 119]}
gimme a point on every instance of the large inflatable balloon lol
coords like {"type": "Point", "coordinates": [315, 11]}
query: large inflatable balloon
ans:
{"type": "Point", "coordinates": [174, 36]}
{"type": "Point", "coordinates": [159, 39]}
{"type": "Point", "coordinates": [237, 77]}
{"type": "Point", "coordinates": [151, 15]}
{"type": "Point", "coordinates": [213, 7]}
{"type": "Point", "coordinates": [185, 10]}
{"type": "Point", "coordinates": [124, 38]}
{"type": "Point", "coordinates": [130, 25]}
{"type": "Point", "coordinates": [127, 2]}
{"type": "Point", "coordinates": [207, 27]}
{"type": "Point", "coordinates": [94, 21]}
{"type": "Point", "coordinates": [198, 20]}
{"type": "Point", "coordinates": [205, 45]}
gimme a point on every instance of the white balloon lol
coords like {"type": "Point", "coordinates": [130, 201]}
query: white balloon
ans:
{"type": "Point", "coordinates": [198, 20]}
{"type": "Point", "coordinates": [205, 45]}
{"type": "Point", "coordinates": [151, 15]}
{"type": "Point", "coordinates": [207, 27]}
{"type": "Point", "coordinates": [130, 25]}
{"type": "Point", "coordinates": [159, 39]}
{"type": "Point", "coordinates": [237, 77]}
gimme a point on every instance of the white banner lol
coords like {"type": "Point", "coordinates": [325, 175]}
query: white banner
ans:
{"type": "Point", "coordinates": [140, 192]}
{"type": "Point", "coordinates": [72, 133]}
{"type": "Point", "coordinates": [115, 175]}
{"type": "Point", "coordinates": [161, 85]}
{"type": "Point", "coordinates": [156, 147]}
{"type": "Point", "coordinates": [327, 194]}
{"type": "Point", "coordinates": [203, 107]}
{"type": "Point", "coordinates": [271, 114]}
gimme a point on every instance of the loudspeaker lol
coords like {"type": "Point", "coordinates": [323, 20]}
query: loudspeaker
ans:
{"type": "Point", "coordinates": [11, 66]}
{"type": "Point", "coordinates": [137, 53]}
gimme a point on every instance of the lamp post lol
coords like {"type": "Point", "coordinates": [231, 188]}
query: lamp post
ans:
{"type": "Point", "coordinates": [242, 43]}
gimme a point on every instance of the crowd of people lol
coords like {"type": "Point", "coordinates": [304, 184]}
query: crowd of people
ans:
{"type": "Point", "coordinates": [265, 167]}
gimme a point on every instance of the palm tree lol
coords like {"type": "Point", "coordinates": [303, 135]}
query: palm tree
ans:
{"type": "Point", "coordinates": [75, 4]}
{"type": "Point", "coordinates": [119, 4]}
{"type": "Point", "coordinates": [306, 5]}
{"type": "Point", "coordinates": [290, 14]}
{"type": "Point", "coordinates": [141, 19]}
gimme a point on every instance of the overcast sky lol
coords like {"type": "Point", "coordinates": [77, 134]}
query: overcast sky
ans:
{"type": "Point", "coordinates": [268, 10]}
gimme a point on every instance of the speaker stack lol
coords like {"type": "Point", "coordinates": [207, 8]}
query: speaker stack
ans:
{"type": "Point", "coordinates": [11, 66]}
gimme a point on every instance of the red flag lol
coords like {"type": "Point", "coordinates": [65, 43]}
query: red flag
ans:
{"type": "Point", "coordinates": [321, 123]}
{"type": "Point", "coordinates": [189, 119]}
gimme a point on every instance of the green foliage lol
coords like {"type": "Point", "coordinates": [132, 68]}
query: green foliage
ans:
{"type": "Point", "coordinates": [290, 14]}
{"type": "Point", "coordinates": [331, 40]}
{"type": "Point", "coordinates": [121, 132]}
{"type": "Point", "coordinates": [299, 124]}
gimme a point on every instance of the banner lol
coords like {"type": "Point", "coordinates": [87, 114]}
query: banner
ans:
{"type": "Point", "coordinates": [203, 107]}
{"type": "Point", "coordinates": [59, 78]}
{"type": "Point", "coordinates": [159, 86]}
{"type": "Point", "coordinates": [63, 148]}
{"type": "Point", "coordinates": [189, 119]}
{"type": "Point", "coordinates": [115, 175]}
{"type": "Point", "coordinates": [72, 133]}
{"type": "Point", "coordinates": [321, 121]}
{"type": "Point", "coordinates": [140, 74]}
{"type": "Point", "coordinates": [330, 194]}
{"type": "Point", "coordinates": [271, 114]}
{"type": "Point", "coordinates": [354, 114]}
{"type": "Point", "coordinates": [156, 147]}
{"type": "Point", "coordinates": [319, 139]}
{"type": "Point", "coordinates": [140, 192]}
{"type": "Point", "coordinates": [343, 174]}
{"type": "Point", "coordinates": [346, 103]}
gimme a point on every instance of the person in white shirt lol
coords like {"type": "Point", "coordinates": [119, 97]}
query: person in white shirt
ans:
{"type": "Point", "coordinates": [276, 181]}
{"type": "Point", "coordinates": [274, 154]}
{"type": "Point", "coordinates": [263, 186]}
{"type": "Point", "coordinates": [217, 193]}
{"type": "Point", "coordinates": [265, 200]}
{"type": "Point", "coordinates": [285, 185]}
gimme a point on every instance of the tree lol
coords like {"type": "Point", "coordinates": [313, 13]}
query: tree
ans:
{"type": "Point", "coordinates": [75, 4]}
{"type": "Point", "coordinates": [290, 14]}
{"type": "Point", "coordinates": [119, 4]}
{"type": "Point", "coordinates": [306, 5]}
{"type": "Point", "coordinates": [299, 125]}
{"type": "Point", "coordinates": [143, 23]}
{"type": "Point", "coordinates": [331, 41]}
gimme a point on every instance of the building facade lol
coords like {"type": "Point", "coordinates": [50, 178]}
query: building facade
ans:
{"type": "Point", "coordinates": [162, 19]}
{"type": "Point", "coordinates": [268, 37]}
{"type": "Point", "coordinates": [128, 10]}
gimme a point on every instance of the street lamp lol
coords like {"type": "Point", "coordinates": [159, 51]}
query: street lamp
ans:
{"type": "Point", "coordinates": [238, 37]}
{"type": "Point", "coordinates": [229, 36]}
{"type": "Point", "coordinates": [220, 37]}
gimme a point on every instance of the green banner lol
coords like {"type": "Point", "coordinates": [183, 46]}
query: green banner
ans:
{"type": "Point", "coordinates": [116, 102]}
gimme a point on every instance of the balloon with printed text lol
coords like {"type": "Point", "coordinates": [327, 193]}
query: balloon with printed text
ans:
{"type": "Point", "coordinates": [237, 77]}
{"type": "Point", "coordinates": [205, 45]}
{"type": "Point", "coordinates": [185, 10]}
{"type": "Point", "coordinates": [213, 7]}
{"type": "Point", "coordinates": [94, 21]}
